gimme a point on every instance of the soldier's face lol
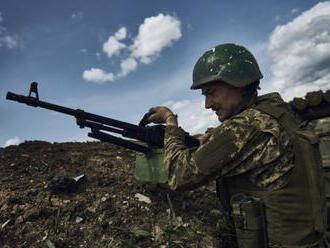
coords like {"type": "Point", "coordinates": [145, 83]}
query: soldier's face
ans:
{"type": "Point", "coordinates": [222, 98]}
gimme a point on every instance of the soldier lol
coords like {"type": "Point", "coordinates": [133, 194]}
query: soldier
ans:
{"type": "Point", "coordinates": [266, 167]}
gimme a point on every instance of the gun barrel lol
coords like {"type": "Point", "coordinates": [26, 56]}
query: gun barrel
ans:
{"type": "Point", "coordinates": [153, 135]}
{"type": "Point", "coordinates": [11, 96]}
{"type": "Point", "coordinates": [78, 113]}
{"type": "Point", "coordinates": [118, 141]}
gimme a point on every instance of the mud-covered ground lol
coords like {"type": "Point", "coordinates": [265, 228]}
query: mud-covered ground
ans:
{"type": "Point", "coordinates": [103, 210]}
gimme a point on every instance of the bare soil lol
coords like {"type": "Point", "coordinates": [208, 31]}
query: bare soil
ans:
{"type": "Point", "coordinates": [103, 210]}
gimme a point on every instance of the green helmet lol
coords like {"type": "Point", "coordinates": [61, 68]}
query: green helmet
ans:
{"type": "Point", "coordinates": [230, 63]}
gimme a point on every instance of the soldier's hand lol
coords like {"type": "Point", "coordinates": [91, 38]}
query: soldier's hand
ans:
{"type": "Point", "coordinates": [162, 114]}
{"type": "Point", "coordinates": [203, 138]}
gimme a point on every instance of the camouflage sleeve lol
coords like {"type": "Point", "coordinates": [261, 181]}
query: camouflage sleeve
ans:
{"type": "Point", "coordinates": [250, 142]}
{"type": "Point", "coordinates": [189, 168]}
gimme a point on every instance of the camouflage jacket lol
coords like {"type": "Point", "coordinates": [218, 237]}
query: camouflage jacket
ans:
{"type": "Point", "coordinates": [250, 141]}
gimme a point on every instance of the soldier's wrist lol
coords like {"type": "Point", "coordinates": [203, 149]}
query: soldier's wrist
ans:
{"type": "Point", "coordinates": [171, 120]}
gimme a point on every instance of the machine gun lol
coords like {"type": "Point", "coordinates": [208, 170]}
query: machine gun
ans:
{"type": "Point", "coordinates": [100, 126]}
{"type": "Point", "coordinates": [152, 135]}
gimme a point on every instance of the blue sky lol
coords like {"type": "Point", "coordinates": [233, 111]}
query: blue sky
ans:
{"type": "Point", "coordinates": [119, 58]}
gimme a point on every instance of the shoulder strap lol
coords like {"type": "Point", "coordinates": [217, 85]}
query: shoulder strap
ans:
{"type": "Point", "coordinates": [286, 119]}
{"type": "Point", "coordinates": [306, 144]}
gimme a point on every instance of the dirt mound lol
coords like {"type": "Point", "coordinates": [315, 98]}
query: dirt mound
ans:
{"type": "Point", "coordinates": [108, 208]}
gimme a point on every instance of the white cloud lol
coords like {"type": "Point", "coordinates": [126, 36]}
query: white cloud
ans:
{"type": "Point", "coordinates": [12, 142]}
{"type": "Point", "coordinates": [77, 16]}
{"type": "Point", "coordinates": [156, 33]}
{"type": "Point", "coordinates": [180, 105]}
{"type": "Point", "coordinates": [83, 50]}
{"type": "Point", "coordinates": [294, 10]}
{"type": "Point", "coordinates": [97, 76]}
{"type": "Point", "coordinates": [98, 55]}
{"type": "Point", "coordinates": [127, 66]}
{"type": "Point", "coordinates": [6, 40]}
{"type": "Point", "coordinates": [79, 138]}
{"type": "Point", "coordinates": [121, 33]}
{"type": "Point", "coordinates": [301, 53]}
{"type": "Point", "coordinates": [192, 115]}
{"type": "Point", "coordinates": [113, 45]}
